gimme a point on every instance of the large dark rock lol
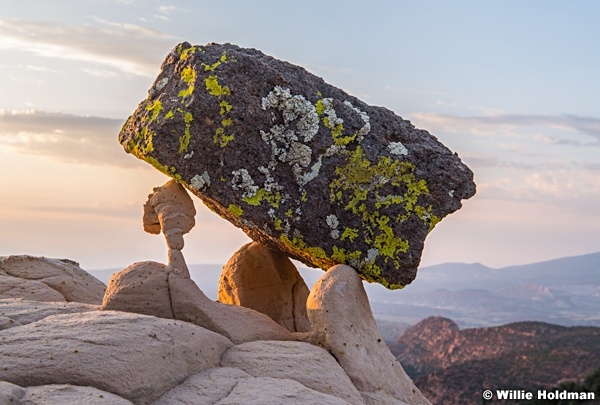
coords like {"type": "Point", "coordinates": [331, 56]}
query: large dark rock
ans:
{"type": "Point", "coordinates": [296, 163]}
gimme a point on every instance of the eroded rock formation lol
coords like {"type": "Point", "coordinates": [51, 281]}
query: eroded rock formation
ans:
{"type": "Point", "coordinates": [266, 281]}
{"type": "Point", "coordinates": [46, 279]}
{"type": "Point", "coordinates": [296, 163]}
{"type": "Point", "coordinates": [170, 210]}
{"type": "Point", "coordinates": [157, 339]}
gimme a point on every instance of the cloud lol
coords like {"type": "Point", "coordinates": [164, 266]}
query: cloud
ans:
{"type": "Point", "coordinates": [509, 123]}
{"type": "Point", "coordinates": [549, 184]}
{"type": "Point", "coordinates": [164, 12]}
{"type": "Point", "coordinates": [64, 137]}
{"type": "Point", "coordinates": [42, 69]}
{"type": "Point", "coordinates": [125, 210]}
{"type": "Point", "coordinates": [480, 160]}
{"type": "Point", "coordinates": [130, 48]}
{"type": "Point", "coordinates": [322, 68]}
{"type": "Point", "coordinates": [100, 73]}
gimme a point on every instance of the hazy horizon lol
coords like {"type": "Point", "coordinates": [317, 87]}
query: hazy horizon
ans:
{"type": "Point", "coordinates": [511, 87]}
{"type": "Point", "coordinates": [300, 264]}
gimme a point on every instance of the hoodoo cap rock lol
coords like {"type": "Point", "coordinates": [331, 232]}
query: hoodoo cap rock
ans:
{"type": "Point", "coordinates": [296, 163]}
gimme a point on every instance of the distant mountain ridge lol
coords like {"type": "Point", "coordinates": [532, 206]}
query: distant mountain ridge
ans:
{"type": "Point", "coordinates": [564, 291]}
{"type": "Point", "coordinates": [452, 366]}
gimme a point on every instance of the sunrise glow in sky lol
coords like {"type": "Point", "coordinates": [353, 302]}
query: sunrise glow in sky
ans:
{"type": "Point", "coordinates": [513, 87]}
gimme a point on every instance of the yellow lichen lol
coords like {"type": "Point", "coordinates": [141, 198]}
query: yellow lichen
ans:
{"type": "Point", "coordinates": [314, 253]}
{"type": "Point", "coordinates": [341, 256]}
{"type": "Point", "coordinates": [221, 138]}
{"type": "Point", "coordinates": [360, 180]}
{"type": "Point", "coordinates": [211, 68]}
{"type": "Point", "coordinates": [225, 107]}
{"type": "Point", "coordinates": [391, 286]}
{"type": "Point", "coordinates": [160, 167]}
{"type": "Point", "coordinates": [214, 88]}
{"type": "Point", "coordinates": [337, 129]}
{"type": "Point", "coordinates": [349, 233]}
{"type": "Point", "coordinates": [320, 107]}
{"type": "Point", "coordinates": [156, 108]}
{"type": "Point", "coordinates": [235, 210]}
{"type": "Point", "coordinates": [273, 199]}
{"type": "Point", "coordinates": [188, 75]}
{"type": "Point", "coordinates": [184, 140]}
{"type": "Point", "coordinates": [184, 53]}
{"type": "Point", "coordinates": [141, 144]}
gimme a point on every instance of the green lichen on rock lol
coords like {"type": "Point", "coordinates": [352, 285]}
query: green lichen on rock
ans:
{"type": "Point", "coordinates": [184, 140]}
{"type": "Point", "coordinates": [188, 75]}
{"type": "Point", "coordinates": [297, 163]}
{"type": "Point", "coordinates": [235, 210]}
{"type": "Point", "coordinates": [156, 108]}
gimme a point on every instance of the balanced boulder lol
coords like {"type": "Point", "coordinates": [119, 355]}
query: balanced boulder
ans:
{"type": "Point", "coordinates": [297, 163]}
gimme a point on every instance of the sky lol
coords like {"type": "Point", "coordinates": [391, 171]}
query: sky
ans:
{"type": "Point", "coordinates": [512, 87]}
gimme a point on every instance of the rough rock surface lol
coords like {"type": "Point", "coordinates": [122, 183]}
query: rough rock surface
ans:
{"type": "Point", "coordinates": [141, 288]}
{"type": "Point", "coordinates": [171, 210]}
{"type": "Point", "coordinates": [206, 387]}
{"type": "Point", "coordinates": [238, 324]}
{"type": "Point", "coordinates": [283, 360]}
{"type": "Point", "coordinates": [296, 163]}
{"type": "Point", "coordinates": [266, 281]}
{"type": "Point", "coordinates": [20, 312]}
{"type": "Point", "coordinates": [343, 324]}
{"type": "Point", "coordinates": [380, 398]}
{"type": "Point", "coordinates": [267, 390]}
{"type": "Point", "coordinates": [148, 288]}
{"type": "Point", "coordinates": [227, 385]}
{"type": "Point", "coordinates": [60, 352]}
{"type": "Point", "coordinates": [15, 287]}
{"type": "Point", "coordinates": [62, 275]}
{"type": "Point", "coordinates": [134, 356]}
{"type": "Point", "coordinates": [57, 394]}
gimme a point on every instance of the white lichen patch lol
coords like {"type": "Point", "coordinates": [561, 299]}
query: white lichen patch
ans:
{"type": "Point", "coordinates": [243, 181]}
{"type": "Point", "coordinates": [299, 153]}
{"type": "Point", "coordinates": [188, 155]}
{"type": "Point", "coordinates": [161, 84]}
{"type": "Point", "coordinates": [451, 193]}
{"type": "Point", "coordinates": [372, 255]}
{"type": "Point", "coordinates": [292, 108]}
{"type": "Point", "coordinates": [397, 148]}
{"type": "Point", "coordinates": [312, 174]}
{"type": "Point", "coordinates": [294, 124]}
{"type": "Point", "coordinates": [200, 181]}
{"type": "Point", "coordinates": [333, 222]}
{"type": "Point", "coordinates": [270, 184]}
{"type": "Point", "coordinates": [289, 144]}
{"type": "Point", "coordinates": [331, 116]}
{"type": "Point", "coordinates": [365, 129]}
